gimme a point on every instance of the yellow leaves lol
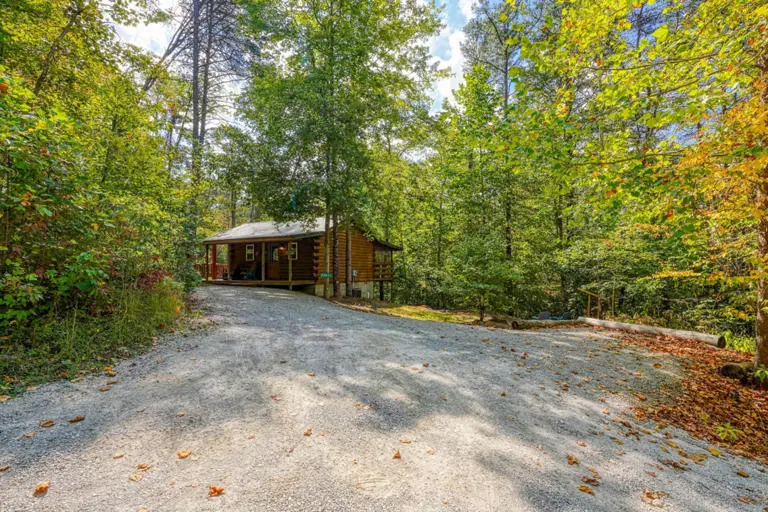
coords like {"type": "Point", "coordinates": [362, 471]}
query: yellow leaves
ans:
{"type": "Point", "coordinates": [714, 451]}
{"type": "Point", "coordinates": [742, 474]}
{"type": "Point", "coordinates": [214, 491]}
{"type": "Point", "coordinates": [42, 488]}
{"type": "Point", "coordinates": [4, 398]}
{"type": "Point", "coordinates": [77, 419]}
{"type": "Point", "coordinates": [572, 459]}
{"type": "Point", "coordinates": [183, 454]}
{"type": "Point", "coordinates": [136, 477]}
{"type": "Point", "coordinates": [586, 489]}
{"type": "Point", "coordinates": [47, 423]}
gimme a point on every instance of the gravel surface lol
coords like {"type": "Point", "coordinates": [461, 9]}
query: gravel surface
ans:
{"type": "Point", "coordinates": [483, 420]}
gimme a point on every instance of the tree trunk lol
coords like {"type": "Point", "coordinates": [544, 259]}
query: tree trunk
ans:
{"type": "Point", "coordinates": [336, 262]}
{"type": "Point", "coordinates": [327, 253]}
{"type": "Point", "coordinates": [761, 324]}
{"type": "Point", "coordinates": [348, 260]}
{"type": "Point", "coordinates": [233, 208]}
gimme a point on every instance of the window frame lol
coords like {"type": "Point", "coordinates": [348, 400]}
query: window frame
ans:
{"type": "Point", "coordinates": [293, 250]}
{"type": "Point", "coordinates": [252, 249]}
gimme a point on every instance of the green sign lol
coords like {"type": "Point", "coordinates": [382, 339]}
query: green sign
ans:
{"type": "Point", "coordinates": [326, 275]}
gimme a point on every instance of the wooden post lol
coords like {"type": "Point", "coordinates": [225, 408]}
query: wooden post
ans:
{"type": "Point", "coordinates": [263, 261]}
{"type": "Point", "coordinates": [213, 261]}
{"type": "Point", "coordinates": [290, 266]}
{"type": "Point", "coordinates": [589, 305]}
{"type": "Point", "coordinates": [207, 264]}
{"type": "Point", "coordinates": [598, 306]}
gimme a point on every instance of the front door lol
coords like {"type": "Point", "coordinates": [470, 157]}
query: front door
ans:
{"type": "Point", "coordinates": [273, 262]}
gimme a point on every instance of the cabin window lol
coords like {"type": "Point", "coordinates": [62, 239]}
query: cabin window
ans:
{"type": "Point", "coordinates": [293, 252]}
{"type": "Point", "coordinates": [275, 253]}
{"type": "Point", "coordinates": [250, 252]}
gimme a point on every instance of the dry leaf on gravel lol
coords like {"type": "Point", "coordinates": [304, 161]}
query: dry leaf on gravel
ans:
{"type": "Point", "coordinates": [4, 398]}
{"type": "Point", "coordinates": [214, 491]}
{"type": "Point", "coordinates": [180, 414]}
{"type": "Point", "coordinates": [77, 419]}
{"type": "Point", "coordinates": [425, 365]}
{"type": "Point", "coordinates": [143, 467]}
{"type": "Point", "coordinates": [742, 474]}
{"type": "Point", "coordinates": [118, 455]}
{"type": "Point", "coordinates": [405, 440]}
{"type": "Point", "coordinates": [104, 388]}
{"type": "Point", "coordinates": [276, 398]}
{"type": "Point", "coordinates": [308, 432]}
{"type": "Point", "coordinates": [47, 423]}
{"type": "Point", "coordinates": [136, 477]}
{"type": "Point", "coordinates": [653, 498]}
{"type": "Point", "coordinates": [183, 454]}
{"type": "Point", "coordinates": [591, 481]}
{"type": "Point", "coordinates": [29, 434]}
{"type": "Point", "coordinates": [397, 455]}
{"type": "Point", "coordinates": [4, 468]}
{"type": "Point", "coordinates": [581, 443]}
{"type": "Point", "coordinates": [42, 488]}
{"type": "Point", "coordinates": [311, 374]}
{"type": "Point", "coordinates": [585, 488]}
{"type": "Point", "coordinates": [572, 459]}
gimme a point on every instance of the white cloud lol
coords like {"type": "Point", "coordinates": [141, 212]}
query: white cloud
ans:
{"type": "Point", "coordinates": [454, 63]}
{"type": "Point", "coordinates": [465, 6]}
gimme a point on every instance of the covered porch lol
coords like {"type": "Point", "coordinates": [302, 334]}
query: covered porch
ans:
{"type": "Point", "coordinates": [269, 262]}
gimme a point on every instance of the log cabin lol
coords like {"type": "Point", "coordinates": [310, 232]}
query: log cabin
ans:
{"type": "Point", "coordinates": [293, 255]}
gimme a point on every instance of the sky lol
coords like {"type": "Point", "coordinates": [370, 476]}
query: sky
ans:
{"type": "Point", "coordinates": [445, 46]}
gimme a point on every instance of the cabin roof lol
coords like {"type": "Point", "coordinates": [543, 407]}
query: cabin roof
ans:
{"type": "Point", "coordinates": [271, 230]}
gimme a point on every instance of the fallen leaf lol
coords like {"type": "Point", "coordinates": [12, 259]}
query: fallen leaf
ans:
{"type": "Point", "coordinates": [180, 414]}
{"type": "Point", "coordinates": [111, 382]}
{"type": "Point", "coordinates": [4, 398]}
{"type": "Point", "coordinates": [143, 467]}
{"type": "Point", "coordinates": [503, 393]}
{"type": "Point", "coordinates": [742, 474]}
{"type": "Point", "coordinates": [77, 419]}
{"type": "Point", "coordinates": [214, 491]}
{"type": "Point", "coordinates": [425, 365]}
{"type": "Point", "coordinates": [118, 455]}
{"type": "Point", "coordinates": [29, 434]}
{"type": "Point", "coordinates": [183, 454]}
{"type": "Point", "coordinates": [397, 455]}
{"type": "Point", "coordinates": [104, 388]}
{"type": "Point", "coordinates": [581, 443]}
{"type": "Point", "coordinates": [405, 440]}
{"type": "Point", "coordinates": [42, 488]}
{"type": "Point", "coordinates": [585, 488]}
{"type": "Point", "coordinates": [431, 451]}
{"type": "Point", "coordinates": [4, 468]}
{"type": "Point", "coordinates": [275, 398]}
{"type": "Point", "coordinates": [136, 477]}
{"type": "Point", "coordinates": [572, 459]}
{"type": "Point", "coordinates": [47, 423]}
{"type": "Point", "coordinates": [747, 500]}
{"type": "Point", "coordinates": [140, 410]}
{"type": "Point", "coordinates": [714, 451]}
{"type": "Point", "coordinates": [653, 498]}
{"type": "Point", "coordinates": [311, 374]}
{"type": "Point", "coordinates": [590, 480]}
{"type": "Point", "coordinates": [308, 432]}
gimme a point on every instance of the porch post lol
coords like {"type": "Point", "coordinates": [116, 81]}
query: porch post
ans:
{"type": "Point", "coordinates": [290, 267]}
{"type": "Point", "coordinates": [213, 261]}
{"type": "Point", "coordinates": [263, 261]}
{"type": "Point", "coordinates": [207, 264]}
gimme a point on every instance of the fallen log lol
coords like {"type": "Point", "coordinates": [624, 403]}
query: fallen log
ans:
{"type": "Point", "coordinates": [519, 323]}
{"type": "Point", "coordinates": [710, 339]}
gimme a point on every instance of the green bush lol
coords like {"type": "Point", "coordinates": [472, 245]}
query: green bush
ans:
{"type": "Point", "coordinates": [58, 345]}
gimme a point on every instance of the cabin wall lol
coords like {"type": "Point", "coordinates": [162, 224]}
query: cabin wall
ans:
{"type": "Point", "coordinates": [363, 255]}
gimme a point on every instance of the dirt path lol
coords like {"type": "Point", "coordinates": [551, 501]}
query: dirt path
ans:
{"type": "Point", "coordinates": [486, 428]}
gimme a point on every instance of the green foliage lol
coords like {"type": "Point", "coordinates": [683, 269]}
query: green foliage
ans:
{"type": "Point", "coordinates": [761, 373]}
{"type": "Point", "coordinates": [728, 432]}
{"type": "Point", "coordinates": [60, 344]}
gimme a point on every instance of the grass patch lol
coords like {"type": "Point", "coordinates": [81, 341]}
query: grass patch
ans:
{"type": "Point", "coordinates": [409, 311]}
{"type": "Point", "coordinates": [76, 343]}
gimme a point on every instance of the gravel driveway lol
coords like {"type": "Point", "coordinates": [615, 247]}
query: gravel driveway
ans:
{"type": "Point", "coordinates": [483, 420]}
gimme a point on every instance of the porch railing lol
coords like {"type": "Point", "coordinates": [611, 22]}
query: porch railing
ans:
{"type": "Point", "coordinates": [382, 271]}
